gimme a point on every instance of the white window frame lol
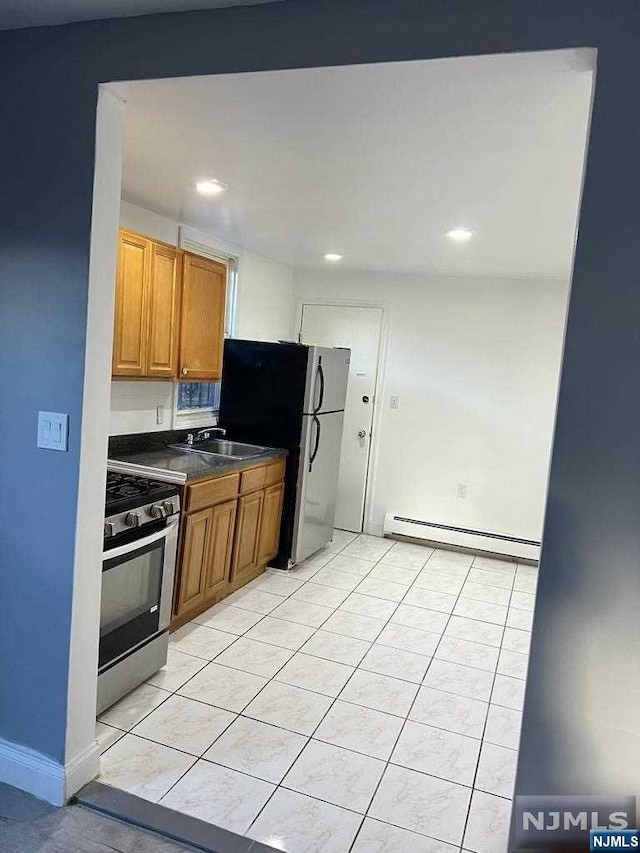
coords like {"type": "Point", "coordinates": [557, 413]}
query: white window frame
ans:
{"type": "Point", "coordinates": [229, 255]}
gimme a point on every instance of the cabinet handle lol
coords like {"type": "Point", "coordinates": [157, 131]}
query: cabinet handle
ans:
{"type": "Point", "coordinates": [184, 371]}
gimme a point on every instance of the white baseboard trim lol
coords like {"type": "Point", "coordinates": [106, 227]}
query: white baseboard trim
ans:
{"type": "Point", "coordinates": [44, 777]}
{"type": "Point", "coordinates": [475, 540]}
{"type": "Point", "coordinates": [82, 769]}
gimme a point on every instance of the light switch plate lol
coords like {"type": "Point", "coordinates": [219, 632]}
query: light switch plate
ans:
{"type": "Point", "coordinates": [53, 431]}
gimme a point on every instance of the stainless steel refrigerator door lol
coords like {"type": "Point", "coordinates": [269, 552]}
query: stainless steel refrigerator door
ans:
{"type": "Point", "coordinates": [327, 377]}
{"type": "Point", "coordinates": [317, 483]}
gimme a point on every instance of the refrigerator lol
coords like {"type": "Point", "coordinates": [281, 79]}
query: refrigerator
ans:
{"type": "Point", "coordinates": [291, 396]}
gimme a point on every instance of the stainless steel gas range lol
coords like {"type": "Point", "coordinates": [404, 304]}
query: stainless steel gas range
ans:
{"type": "Point", "coordinates": [138, 567]}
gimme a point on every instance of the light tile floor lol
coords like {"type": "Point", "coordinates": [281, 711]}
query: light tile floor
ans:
{"type": "Point", "coordinates": [368, 701]}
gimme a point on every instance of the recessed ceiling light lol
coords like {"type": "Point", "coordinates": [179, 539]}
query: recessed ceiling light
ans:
{"type": "Point", "coordinates": [210, 186]}
{"type": "Point", "coordinates": [460, 235]}
{"type": "Point", "coordinates": [332, 258]}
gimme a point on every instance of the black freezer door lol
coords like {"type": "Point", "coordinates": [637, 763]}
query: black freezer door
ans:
{"type": "Point", "coordinates": [262, 394]}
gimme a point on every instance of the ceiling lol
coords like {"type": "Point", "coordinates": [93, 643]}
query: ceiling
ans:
{"type": "Point", "coordinates": [15, 14]}
{"type": "Point", "coordinates": [375, 162]}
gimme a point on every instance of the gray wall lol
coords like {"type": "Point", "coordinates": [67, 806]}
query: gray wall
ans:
{"type": "Point", "coordinates": [586, 629]}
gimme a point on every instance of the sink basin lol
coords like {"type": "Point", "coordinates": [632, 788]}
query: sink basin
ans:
{"type": "Point", "coordinates": [222, 447]}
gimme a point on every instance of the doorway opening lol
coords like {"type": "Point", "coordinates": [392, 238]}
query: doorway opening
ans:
{"type": "Point", "coordinates": [452, 297]}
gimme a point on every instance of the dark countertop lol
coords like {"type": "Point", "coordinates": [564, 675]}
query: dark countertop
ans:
{"type": "Point", "coordinates": [178, 466]}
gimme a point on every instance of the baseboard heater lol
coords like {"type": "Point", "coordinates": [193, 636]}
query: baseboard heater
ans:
{"type": "Point", "coordinates": [476, 540]}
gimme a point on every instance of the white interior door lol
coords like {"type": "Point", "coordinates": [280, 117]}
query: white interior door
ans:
{"type": "Point", "coordinates": [359, 329]}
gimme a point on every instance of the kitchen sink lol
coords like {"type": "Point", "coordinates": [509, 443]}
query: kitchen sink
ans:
{"type": "Point", "coordinates": [222, 447]}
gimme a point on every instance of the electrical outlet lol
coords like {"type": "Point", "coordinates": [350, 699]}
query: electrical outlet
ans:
{"type": "Point", "coordinates": [394, 402]}
{"type": "Point", "coordinates": [53, 431]}
{"type": "Point", "coordinates": [463, 489]}
{"type": "Point", "coordinates": [159, 414]}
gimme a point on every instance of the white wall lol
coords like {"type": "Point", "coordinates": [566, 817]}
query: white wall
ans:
{"type": "Point", "coordinates": [134, 406]}
{"type": "Point", "coordinates": [149, 223]}
{"type": "Point", "coordinates": [475, 363]}
{"type": "Point", "coordinates": [265, 311]}
{"type": "Point", "coordinates": [266, 303]}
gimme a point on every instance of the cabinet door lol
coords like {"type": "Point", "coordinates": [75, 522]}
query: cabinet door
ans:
{"type": "Point", "coordinates": [163, 312]}
{"type": "Point", "coordinates": [245, 554]}
{"type": "Point", "coordinates": [196, 539]}
{"type": "Point", "coordinates": [130, 326]}
{"type": "Point", "coordinates": [270, 523]}
{"type": "Point", "coordinates": [204, 284]}
{"type": "Point", "coordinates": [223, 520]}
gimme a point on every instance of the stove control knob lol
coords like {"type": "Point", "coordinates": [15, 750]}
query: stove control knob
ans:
{"type": "Point", "coordinates": [133, 519]}
{"type": "Point", "coordinates": [109, 529]}
{"type": "Point", "coordinates": [168, 507]}
{"type": "Point", "coordinates": [157, 511]}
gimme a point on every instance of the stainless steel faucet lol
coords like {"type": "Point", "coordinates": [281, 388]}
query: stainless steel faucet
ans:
{"type": "Point", "coordinates": [204, 434]}
{"type": "Point", "coordinates": [221, 430]}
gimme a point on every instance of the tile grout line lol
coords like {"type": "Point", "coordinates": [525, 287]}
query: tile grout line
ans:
{"type": "Point", "coordinates": [484, 727]}
{"type": "Point", "coordinates": [399, 735]}
{"type": "Point", "coordinates": [334, 700]}
{"type": "Point", "coordinates": [406, 719]}
{"type": "Point", "coordinates": [240, 713]}
{"type": "Point", "coordinates": [402, 728]}
{"type": "Point", "coordinates": [295, 651]}
{"type": "Point", "coordinates": [385, 622]}
{"type": "Point", "coordinates": [279, 785]}
{"type": "Point", "coordinates": [174, 692]}
{"type": "Point", "coordinates": [433, 657]}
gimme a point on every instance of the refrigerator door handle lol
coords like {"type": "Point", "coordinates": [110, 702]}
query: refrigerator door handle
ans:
{"type": "Point", "coordinates": [320, 378]}
{"type": "Point", "coordinates": [316, 445]}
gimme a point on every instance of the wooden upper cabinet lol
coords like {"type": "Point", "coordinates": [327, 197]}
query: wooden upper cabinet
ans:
{"type": "Point", "coordinates": [164, 316]}
{"type": "Point", "coordinates": [204, 285]}
{"type": "Point", "coordinates": [130, 332]}
{"type": "Point", "coordinates": [146, 321]}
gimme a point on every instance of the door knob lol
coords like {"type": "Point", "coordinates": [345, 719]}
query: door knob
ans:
{"type": "Point", "coordinates": [365, 399]}
{"type": "Point", "coordinates": [362, 433]}
{"type": "Point", "coordinates": [184, 371]}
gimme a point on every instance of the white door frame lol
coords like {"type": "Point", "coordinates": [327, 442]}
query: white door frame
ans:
{"type": "Point", "coordinates": [369, 526]}
{"type": "Point", "coordinates": [82, 756]}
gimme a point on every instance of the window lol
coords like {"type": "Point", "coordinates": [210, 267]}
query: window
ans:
{"type": "Point", "coordinates": [232, 298]}
{"type": "Point", "coordinates": [196, 396]}
{"type": "Point", "coordinates": [196, 404]}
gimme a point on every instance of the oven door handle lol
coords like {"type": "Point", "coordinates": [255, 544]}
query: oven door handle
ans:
{"type": "Point", "coordinates": [130, 547]}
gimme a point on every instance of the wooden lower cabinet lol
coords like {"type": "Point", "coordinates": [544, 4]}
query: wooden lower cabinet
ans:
{"type": "Point", "coordinates": [245, 555]}
{"type": "Point", "coordinates": [196, 536]}
{"type": "Point", "coordinates": [206, 554]}
{"type": "Point", "coordinates": [225, 545]}
{"type": "Point", "coordinates": [223, 525]}
{"type": "Point", "coordinates": [269, 537]}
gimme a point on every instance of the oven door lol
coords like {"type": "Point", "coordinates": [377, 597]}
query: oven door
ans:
{"type": "Point", "coordinates": [137, 588]}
